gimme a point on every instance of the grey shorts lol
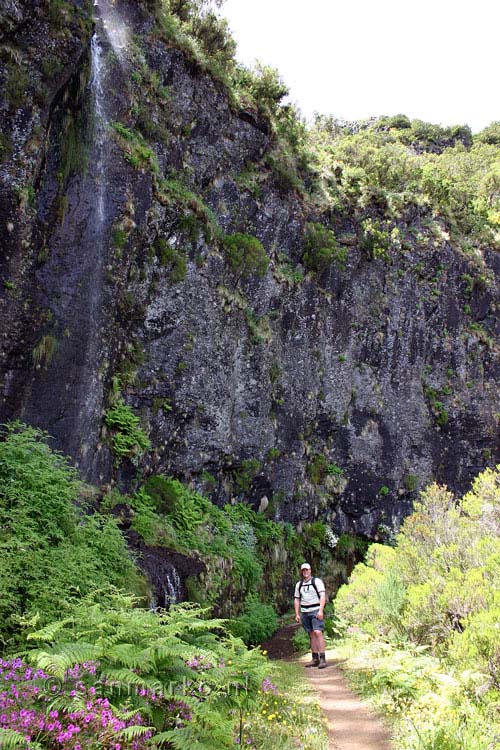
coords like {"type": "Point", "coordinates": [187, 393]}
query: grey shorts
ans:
{"type": "Point", "coordinates": [310, 622]}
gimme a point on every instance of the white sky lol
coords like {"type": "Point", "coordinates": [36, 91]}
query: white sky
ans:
{"type": "Point", "coordinates": [436, 60]}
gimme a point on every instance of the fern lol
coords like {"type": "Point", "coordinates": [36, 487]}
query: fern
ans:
{"type": "Point", "coordinates": [49, 632]}
{"type": "Point", "coordinates": [10, 739]}
{"type": "Point", "coordinates": [139, 653]}
{"type": "Point", "coordinates": [126, 678]}
{"type": "Point", "coordinates": [57, 662]}
{"type": "Point", "coordinates": [133, 732]}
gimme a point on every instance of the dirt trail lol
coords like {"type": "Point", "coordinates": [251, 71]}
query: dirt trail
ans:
{"type": "Point", "coordinates": [352, 724]}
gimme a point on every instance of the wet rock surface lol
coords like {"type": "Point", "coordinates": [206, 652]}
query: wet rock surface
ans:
{"type": "Point", "coordinates": [337, 396]}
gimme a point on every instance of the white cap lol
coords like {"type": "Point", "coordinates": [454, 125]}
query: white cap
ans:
{"type": "Point", "coordinates": [304, 566]}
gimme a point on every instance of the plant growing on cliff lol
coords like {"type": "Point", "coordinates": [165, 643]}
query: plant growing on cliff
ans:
{"type": "Point", "coordinates": [320, 467]}
{"type": "Point", "coordinates": [379, 239]}
{"type": "Point", "coordinates": [128, 439]}
{"type": "Point", "coordinates": [245, 254]}
{"type": "Point", "coordinates": [321, 248]}
{"type": "Point", "coordinates": [136, 151]}
{"type": "Point", "coordinates": [44, 351]}
{"type": "Point", "coordinates": [244, 474]}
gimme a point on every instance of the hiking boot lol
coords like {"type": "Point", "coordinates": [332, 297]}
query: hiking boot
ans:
{"type": "Point", "coordinates": [313, 663]}
{"type": "Point", "coordinates": [322, 663]}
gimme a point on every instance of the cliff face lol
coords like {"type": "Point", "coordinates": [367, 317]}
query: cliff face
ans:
{"type": "Point", "coordinates": [334, 394]}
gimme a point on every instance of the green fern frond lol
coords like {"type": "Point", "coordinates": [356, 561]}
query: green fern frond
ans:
{"type": "Point", "coordinates": [48, 633]}
{"type": "Point", "coordinates": [127, 678]}
{"type": "Point", "coordinates": [133, 732]}
{"type": "Point", "coordinates": [10, 740]}
{"type": "Point", "coordinates": [65, 704]}
{"type": "Point", "coordinates": [187, 738]}
{"type": "Point", "coordinates": [57, 662]}
{"type": "Point", "coordinates": [131, 656]}
{"type": "Point", "coordinates": [128, 714]}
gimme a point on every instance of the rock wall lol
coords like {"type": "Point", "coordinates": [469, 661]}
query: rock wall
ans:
{"type": "Point", "coordinates": [333, 395]}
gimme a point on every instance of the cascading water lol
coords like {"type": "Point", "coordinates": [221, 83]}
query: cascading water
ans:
{"type": "Point", "coordinates": [100, 124]}
{"type": "Point", "coordinates": [173, 588]}
{"type": "Point", "coordinates": [168, 588]}
{"type": "Point", "coordinates": [66, 395]}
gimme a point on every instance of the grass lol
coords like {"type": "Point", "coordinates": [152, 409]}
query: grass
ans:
{"type": "Point", "coordinates": [428, 705]}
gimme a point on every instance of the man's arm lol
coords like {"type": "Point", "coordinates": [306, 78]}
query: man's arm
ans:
{"type": "Point", "coordinates": [322, 602]}
{"type": "Point", "coordinates": [296, 604]}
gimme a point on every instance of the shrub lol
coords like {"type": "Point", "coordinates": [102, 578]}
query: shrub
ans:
{"type": "Point", "coordinates": [320, 467]}
{"type": "Point", "coordinates": [490, 134]}
{"type": "Point", "coordinates": [174, 258]}
{"type": "Point", "coordinates": [263, 85]}
{"type": "Point", "coordinates": [245, 254]}
{"type": "Point", "coordinates": [165, 671]}
{"type": "Point", "coordinates": [63, 556]}
{"type": "Point", "coordinates": [128, 439]}
{"type": "Point", "coordinates": [257, 623]}
{"type": "Point", "coordinates": [165, 491]}
{"type": "Point", "coordinates": [136, 150]}
{"type": "Point", "coordinates": [244, 474]}
{"type": "Point", "coordinates": [300, 641]}
{"type": "Point", "coordinates": [379, 239]}
{"type": "Point", "coordinates": [321, 248]}
{"type": "Point", "coordinates": [16, 85]}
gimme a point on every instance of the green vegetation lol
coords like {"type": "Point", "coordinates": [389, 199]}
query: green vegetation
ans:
{"type": "Point", "coordinates": [44, 351]}
{"type": "Point", "coordinates": [245, 254]}
{"type": "Point", "coordinates": [73, 151]}
{"type": "Point", "coordinates": [173, 258]}
{"type": "Point", "coordinates": [51, 555]}
{"type": "Point", "coordinates": [351, 546]}
{"type": "Point", "coordinates": [378, 239]}
{"type": "Point", "coordinates": [391, 169]}
{"type": "Point", "coordinates": [195, 216]}
{"type": "Point", "coordinates": [256, 623]}
{"type": "Point", "coordinates": [320, 467]}
{"type": "Point", "coordinates": [128, 439]}
{"type": "Point", "coordinates": [321, 249]}
{"type": "Point", "coordinates": [411, 482]}
{"type": "Point", "coordinates": [244, 474]}
{"type": "Point", "coordinates": [423, 617]}
{"type": "Point", "coordinates": [16, 84]}
{"type": "Point", "coordinates": [109, 669]}
{"type": "Point", "coordinates": [150, 680]}
{"type": "Point", "coordinates": [434, 397]}
{"type": "Point", "coordinates": [136, 150]}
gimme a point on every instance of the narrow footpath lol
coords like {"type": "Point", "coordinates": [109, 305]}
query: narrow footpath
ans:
{"type": "Point", "coordinates": [352, 724]}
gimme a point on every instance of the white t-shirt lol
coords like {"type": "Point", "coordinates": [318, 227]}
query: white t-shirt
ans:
{"type": "Point", "coordinates": [305, 591]}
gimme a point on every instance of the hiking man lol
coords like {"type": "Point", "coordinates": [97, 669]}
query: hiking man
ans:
{"type": "Point", "coordinates": [309, 602]}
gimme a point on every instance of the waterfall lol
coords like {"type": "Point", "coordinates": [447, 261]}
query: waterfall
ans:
{"type": "Point", "coordinates": [173, 587]}
{"type": "Point", "coordinates": [100, 125]}
{"type": "Point", "coordinates": [167, 587]}
{"type": "Point", "coordinates": [115, 29]}
{"type": "Point", "coordinates": [66, 396]}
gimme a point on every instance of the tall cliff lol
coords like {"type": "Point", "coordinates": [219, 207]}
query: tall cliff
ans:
{"type": "Point", "coordinates": [324, 358]}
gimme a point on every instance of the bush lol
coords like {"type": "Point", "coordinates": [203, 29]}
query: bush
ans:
{"type": "Point", "coordinates": [245, 254]}
{"type": "Point", "coordinates": [321, 249]}
{"type": "Point", "coordinates": [128, 439]}
{"type": "Point", "coordinates": [263, 85]}
{"type": "Point", "coordinates": [257, 623]}
{"type": "Point", "coordinates": [165, 671]}
{"type": "Point", "coordinates": [50, 557]}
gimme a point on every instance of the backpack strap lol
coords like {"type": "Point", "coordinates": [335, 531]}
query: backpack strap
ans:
{"type": "Point", "coordinates": [313, 581]}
